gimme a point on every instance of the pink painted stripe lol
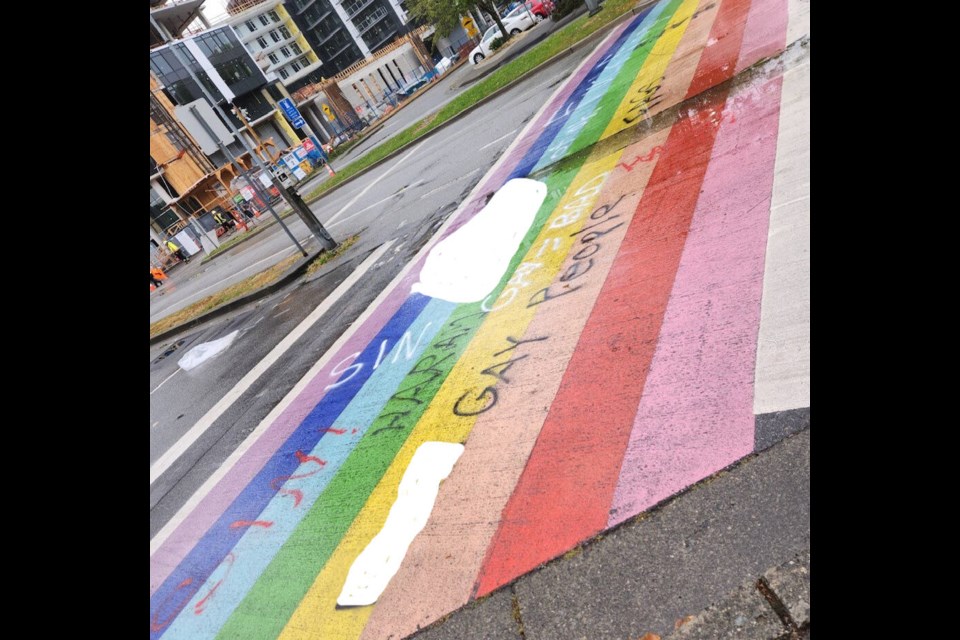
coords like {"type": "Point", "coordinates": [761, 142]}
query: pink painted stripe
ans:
{"type": "Point", "coordinates": [199, 521]}
{"type": "Point", "coordinates": [766, 33]}
{"type": "Point", "coordinates": [696, 413]}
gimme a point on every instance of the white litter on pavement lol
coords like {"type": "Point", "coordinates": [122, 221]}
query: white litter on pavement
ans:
{"type": "Point", "coordinates": [371, 572]}
{"type": "Point", "coordinates": [205, 351]}
{"type": "Point", "coordinates": [467, 265]}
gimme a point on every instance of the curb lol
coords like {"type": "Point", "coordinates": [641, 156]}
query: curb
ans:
{"type": "Point", "coordinates": [292, 274]}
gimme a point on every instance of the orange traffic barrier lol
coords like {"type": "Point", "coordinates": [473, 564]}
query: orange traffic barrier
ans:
{"type": "Point", "coordinates": [158, 274]}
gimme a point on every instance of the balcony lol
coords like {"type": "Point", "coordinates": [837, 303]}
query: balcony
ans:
{"type": "Point", "coordinates": [371, 20]}
{"type": "Point", "coordinates": [320, 43]}
{"type": "Point", "coordinates": [312, 23]}
{"type": "Point", "coordinates": [390, 36]}
{"type": "Point", "coordinates": [301, 5]}
{"type": "Point", "coordinates": [355, 7]}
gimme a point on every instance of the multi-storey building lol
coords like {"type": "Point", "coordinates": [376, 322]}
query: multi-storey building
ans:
{"type": "Point", "coordinates": [343, 32]}
{"type": "Point", "coordinates": [187, 181]}
{"type": "Point", "coordinates": [275, 41]}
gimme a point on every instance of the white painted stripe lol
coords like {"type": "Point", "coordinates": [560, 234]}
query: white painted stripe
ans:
{"type": "Point", "coordinates": [157, 541]}
{"type": "Point", "coordinates": [783, 350]}
{"type": "Point", "coordinates": [396, 165]}
{"type": "Point", "coordinates": [173, 453]}
{"type": "Point", "coordinates": [371, 572]}
{"type": "Point", "coordinates": [493, 142]}
{"type": "Point", "coordinates": [165, 381]}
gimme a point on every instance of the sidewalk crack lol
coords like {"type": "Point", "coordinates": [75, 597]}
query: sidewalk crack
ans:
{"type": "Point", "coordinates": [515, 605]}
{"type": "Point", "coordinates": [779, 608]}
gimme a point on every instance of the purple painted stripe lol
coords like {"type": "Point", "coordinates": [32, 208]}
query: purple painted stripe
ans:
{"type": "Point", "coordinates": [696, 413]}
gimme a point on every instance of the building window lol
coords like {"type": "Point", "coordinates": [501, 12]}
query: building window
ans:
{"type": "Point", "coordinates": [264, 20]}
{"type": "Point", "coordinates": [275, 36]}
{"type": "Point", "coordinates": [284, 31]}
{"type": "Point", "coordinates": [285, 52]}
{"type": "Point", "coordinates": [273, 58]}
{"type": "Point", "coordinates": [250, 26]}
{"type": "Point", "coordinates": [296, 48]}
{"type": "Point", "coordinates": [283, 73]}
{"type": "Point", "coordinates": [304, 61]}
{"type": "Point", "coordinates": [295, 66]}
{"type": "Point", "coordinates": [273, 16]}
{"type": "Point", "coordinates": [262, 42]}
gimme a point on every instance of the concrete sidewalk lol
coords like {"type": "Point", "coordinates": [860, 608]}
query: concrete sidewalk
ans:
{"type": "Point", "coordinates": [727, 558]}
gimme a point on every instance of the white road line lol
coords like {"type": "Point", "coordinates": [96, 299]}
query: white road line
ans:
{"type": "Point", "coordinates": [396, 165]}
{"type": "Point", "coordinates": [445, 185]}
{"type": "Point", "coordinates": [173, 453]}
{"type": "Point", "coordinates": [382, 200]}
{"type": "Point", "coordinates": [497, 140]}
{"type": "Point", "coordinates": [165, 380]}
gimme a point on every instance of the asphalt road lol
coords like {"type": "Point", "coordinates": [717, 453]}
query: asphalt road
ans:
{"type": "Point", "coordinates": [402, 201]}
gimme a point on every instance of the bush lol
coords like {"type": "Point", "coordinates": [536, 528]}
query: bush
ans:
{"type": "Point", "coordinates": [496, 43]}
{"type": "Point", "coordinates": [564, 8]}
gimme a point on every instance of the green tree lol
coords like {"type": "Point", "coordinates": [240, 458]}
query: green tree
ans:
{"type": "Point", "coordinates": [445, 14]}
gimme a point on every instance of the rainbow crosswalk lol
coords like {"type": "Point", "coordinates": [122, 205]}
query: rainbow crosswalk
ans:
{"type": "Point", "coordinates": [615, 363]}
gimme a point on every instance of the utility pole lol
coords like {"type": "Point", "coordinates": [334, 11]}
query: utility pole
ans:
{"type": "Point", "coordinates": [295, 202]}
{"type": "Point", "coordinates": [245, 174]}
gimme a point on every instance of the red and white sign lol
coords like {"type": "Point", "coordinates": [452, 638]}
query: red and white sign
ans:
{"type": "Point", "coordinates": [308, 145]}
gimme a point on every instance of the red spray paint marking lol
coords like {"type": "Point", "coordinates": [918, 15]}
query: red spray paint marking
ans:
{"type": "Point", "coordinates": [338, 432]}
{"type": "Point", "coordinates": [156, 625]}
{"type": "Point", "coordinates": [200, 606]}
{"type": "Point", "coordinates": [647, 157]}
{"type": "Point", "coordinates": [266, 524]}
{"type": "Point", "coordinates": [296, 493]}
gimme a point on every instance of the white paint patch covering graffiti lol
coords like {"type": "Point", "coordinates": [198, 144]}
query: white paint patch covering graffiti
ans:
{"type": "Point", "coordinates": [470, 262]}
{"type": "Point", "coordinates": [378, 562]}
{"type": "Point", "coordinates": [205, 351]}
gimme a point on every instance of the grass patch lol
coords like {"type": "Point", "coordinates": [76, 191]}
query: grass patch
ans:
{"type": "Point", "coordinates": [232, 292]}
{"type": "Point", "coordinates": [554, 44]}
{"type": "Point", "coordinates": [327, 256]}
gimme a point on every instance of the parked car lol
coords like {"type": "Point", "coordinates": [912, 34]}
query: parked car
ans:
{"type": "Point", "coordinates": [517, 20]}
{"type": "Point", "coordinates": [539, 8]}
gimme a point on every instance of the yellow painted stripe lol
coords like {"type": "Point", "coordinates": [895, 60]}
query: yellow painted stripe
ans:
{"type": "Point", "coordinates": [644, 86]}
{"type": "Point", "coordinates": [316, 616]}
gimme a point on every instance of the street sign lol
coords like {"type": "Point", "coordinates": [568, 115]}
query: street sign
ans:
{"type": "Point", "coordinates": [308, 145]}
{"type": "Point", "coordinates": [469, 27]}
{"type": "Point", "coordinates": [290, 110]}
{"type": "Point", "coordinates": [327, 112]}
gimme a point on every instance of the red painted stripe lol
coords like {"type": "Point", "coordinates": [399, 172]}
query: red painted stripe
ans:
{"type": "Point", "coordinates": [717, 62]}
{"type": "Point", "coordinates": [564, 493]}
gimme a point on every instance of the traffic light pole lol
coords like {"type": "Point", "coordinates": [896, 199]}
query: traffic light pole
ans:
{"type": "Point", "coordinates": [295, 202]}
{"type": "Point", "coordinates": [243, 172]}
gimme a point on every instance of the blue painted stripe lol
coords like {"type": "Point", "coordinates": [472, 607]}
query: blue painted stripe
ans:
{"type": "Point", "coordinates": [258, 546]}
{"type": "Point", "coordinates": [213, 547]}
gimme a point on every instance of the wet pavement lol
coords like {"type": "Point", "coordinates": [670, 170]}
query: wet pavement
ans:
{"type": "Point", "coordinates": [632, 396]}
